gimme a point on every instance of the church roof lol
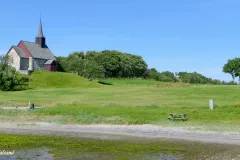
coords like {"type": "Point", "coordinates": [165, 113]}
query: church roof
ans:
{"type": "Point", "coordinates": [37, 52]}
{"type": "Point", "coordinates": [19, 51]}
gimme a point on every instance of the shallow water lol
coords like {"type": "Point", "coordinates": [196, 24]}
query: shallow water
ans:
{"type": "Point", "coordinates": [42, 154]}
{"type": "Point", "coordinates": [125, 148]}
{"type": "Point", "coordinates": [31, 154]}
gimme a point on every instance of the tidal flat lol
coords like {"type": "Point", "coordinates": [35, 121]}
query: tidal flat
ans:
{"type": "Point", "coordinates": [127, 148]}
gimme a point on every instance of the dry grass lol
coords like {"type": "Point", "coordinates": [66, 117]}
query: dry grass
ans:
{"type": "Point", "coordinates": [170, 85]}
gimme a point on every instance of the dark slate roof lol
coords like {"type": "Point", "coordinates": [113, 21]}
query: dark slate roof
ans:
{"type": "Point", "coordinates": [37, 52]}
{"type": "Point", "coordinates": [20, 51]}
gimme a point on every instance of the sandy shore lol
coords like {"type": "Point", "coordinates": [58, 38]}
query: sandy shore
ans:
{"type": "Point", "coordinates": [118, 131]}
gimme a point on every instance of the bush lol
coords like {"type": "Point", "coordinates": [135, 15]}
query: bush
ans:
{"type": "Point", "coordinates": [10, 80]}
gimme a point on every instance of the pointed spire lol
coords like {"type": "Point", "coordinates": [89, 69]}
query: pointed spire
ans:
{"type": "Point", "coordinates": [40, 39]}
{"type": "Point", "coordinates": [40, 30]}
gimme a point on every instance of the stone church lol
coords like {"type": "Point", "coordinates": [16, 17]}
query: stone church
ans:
{"type": "Point", "coordinates": [29, 56]}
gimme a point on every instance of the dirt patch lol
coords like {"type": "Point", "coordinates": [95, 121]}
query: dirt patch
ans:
{"type": "Point", "coordinates": [147, 131]}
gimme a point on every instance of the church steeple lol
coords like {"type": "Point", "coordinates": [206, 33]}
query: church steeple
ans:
{"type": "Point", "coordinates": [40, 39]}
{"type": "Point", "coordinates": [40, 30]}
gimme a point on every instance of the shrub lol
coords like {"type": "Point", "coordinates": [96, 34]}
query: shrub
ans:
{"type": "Point", "coordinates": [10, 80]}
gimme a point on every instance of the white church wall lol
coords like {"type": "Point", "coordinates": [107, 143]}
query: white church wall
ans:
{"type": "Point", "coordinates": [15, 59]}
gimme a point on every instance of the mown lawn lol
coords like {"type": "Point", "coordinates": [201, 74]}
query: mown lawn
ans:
{"type": "Point", "coordinates": [126, 101]}
{"type": "Point", "coordinates": [127, 95]}
{"type": "Point", "coordinates": [224, 118]}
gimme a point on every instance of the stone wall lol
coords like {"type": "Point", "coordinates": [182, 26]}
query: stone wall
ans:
{"type": "Point", "coordinates": [38, 64]}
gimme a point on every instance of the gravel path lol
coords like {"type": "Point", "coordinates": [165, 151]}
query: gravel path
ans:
{"type": "Point", "coordinates": [119, 131]}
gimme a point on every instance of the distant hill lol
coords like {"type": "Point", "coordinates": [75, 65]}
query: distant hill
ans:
{"type": "Point", "coordinates": [45, 79]}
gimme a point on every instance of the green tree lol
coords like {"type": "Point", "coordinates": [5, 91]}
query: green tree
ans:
{"type": "Point", "coordinates": [61, 64]}
{"type": "Point", "coordinates": [139, 66]}
{"type": "Point", "coordinates": [170, 76]}
{"type": "Point", "coordinates": [151, 73]}
{"type": "Point", "coordinates": [78, 64]}
{"type": "Point", "coordinates": [75, 64]}
{"type": "Point", "coordinates": [91, 55]}
{"type": "Point", "coordinates": [78, 54]}
{"type": "Point", "coordinates": [110, 60]}
{"type": "Point", "coordinates": [92, 70]}
{"type": "Point", "coordinates": [114, 63]}
{"type": "Point", "coordinates": [232, 67]}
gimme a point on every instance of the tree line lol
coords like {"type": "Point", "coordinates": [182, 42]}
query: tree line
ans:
{"type": "Point", "coordinates": [111, 64]}
{"type": "Point", "coordinates": [184, 77]}
{"type": "Point", "coordinates": [115, 64]}
{"type": "Point", "coordinates": [104, 64]}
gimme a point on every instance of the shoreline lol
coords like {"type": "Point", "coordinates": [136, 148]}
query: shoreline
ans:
{"type": "Point", "coordinates": [103, 131]}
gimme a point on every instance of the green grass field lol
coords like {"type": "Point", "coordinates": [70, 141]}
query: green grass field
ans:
{"type": "Point", "coordinates": [68, 98]}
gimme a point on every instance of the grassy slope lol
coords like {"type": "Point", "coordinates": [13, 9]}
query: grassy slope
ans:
{"type": "Point", "coordinates": [44, 79]}
{"type": "Point", "coordinates": [128, 102]}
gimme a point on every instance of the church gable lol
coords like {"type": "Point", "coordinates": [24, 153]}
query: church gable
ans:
{"type": "Point", "coordinates": [20, 52]}
{"type": "Point", "coordinates": [14, 58]}
{"type": "Point", "coordinates": [21, 45]}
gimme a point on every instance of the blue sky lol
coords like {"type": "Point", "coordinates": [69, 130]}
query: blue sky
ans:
{"type": "Point", "coordinates": [174, 35]}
